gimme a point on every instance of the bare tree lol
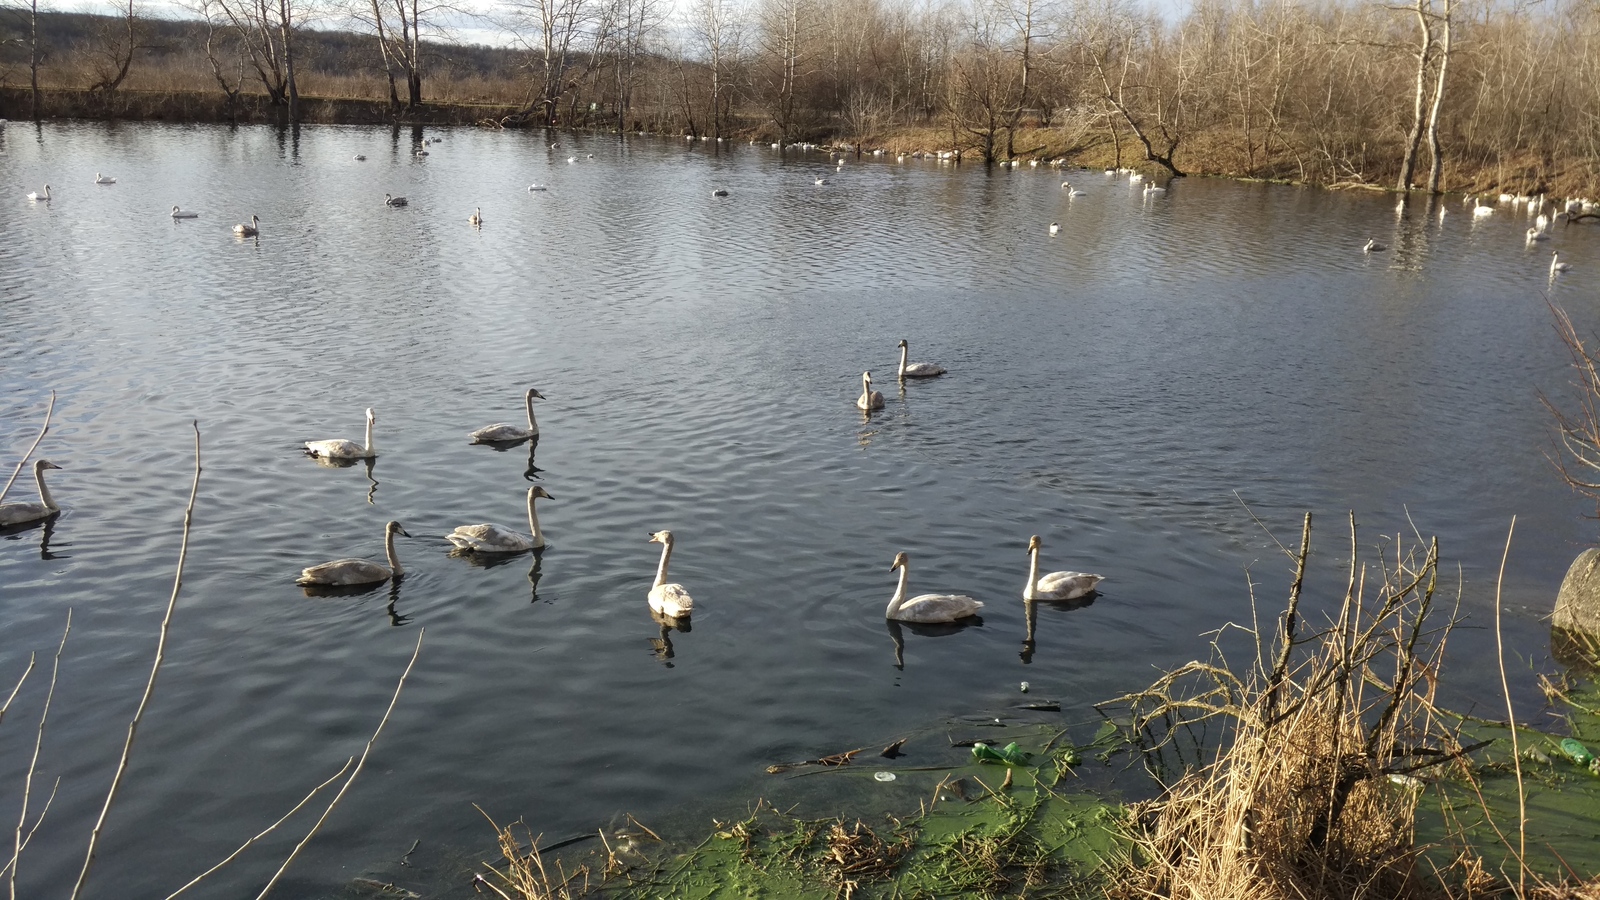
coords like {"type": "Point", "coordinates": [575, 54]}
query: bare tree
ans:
{"type": "Point", "coordinates": [115, 44]}
{"type": "Point", "coordinates": [783, 27]}
{"type": "Point", "coordinates": [267, 29]}
{"type": "Point", "coordinates": [717, 30]}
{"type": "Point", "coordinates": [398, 25]}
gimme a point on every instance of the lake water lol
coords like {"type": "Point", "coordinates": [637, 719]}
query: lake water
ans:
{"type": "Point", "coordinates": [1124, 389]}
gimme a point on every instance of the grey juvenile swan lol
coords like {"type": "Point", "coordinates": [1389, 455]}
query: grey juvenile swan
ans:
{"type": "Point", "coordinates": [666, 597]}
{"type": "Point", "coordinates": [358, 571]}
{"type": "Point", "coordinates": [251, 230]}
{"type": "Point", "coordinates": [1056, 585]}
{"type": "Point", "coordinates": [20, 511]}
{"type": "Point", "coordinates": [926, 607]}
{"type": "Point", "coordinates": [339, 448]}
{"type": "Point", "coordinates": [500, 431]}
{"type": "Point", "coordinates": [490, 538]}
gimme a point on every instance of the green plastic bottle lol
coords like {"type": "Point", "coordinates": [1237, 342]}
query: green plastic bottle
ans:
{"type": "Point", "coordinates": [1576, 751]}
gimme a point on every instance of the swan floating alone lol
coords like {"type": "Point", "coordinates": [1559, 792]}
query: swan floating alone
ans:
{"type": "Point", "coordinates": [36, 197]}
{"type": "Point", "coordinates": [180, 214]}
{"type": "Point", "coordinates": [1535, 234]}
{"type": "Point", "coordinates": [491, 538]}
{"type": "Point", "coordinates": [869, 399]}
{"type": "Point", "coordinates": [1071, 191]}
{"type": "Point", "coordinates": [254, 228]}
{"type": "Point", "coordinates": [500, 431]}
{"type": "Point", "coordinates": [358, 571]}
{"type": "Point", "coordinates": [923, 370]}
{"type": "Point", "coordinates": [19, 511]}
{"type": "Point", "coordinates": [1556, 265]}
{"type": "Point", "coordinates": [476, 219]}
{"type": "Point", "coordinates": [1373, 246]}
{"type": "Point", "coordinates": [103, 179]}
{"type": "Point", "coordinates": [719, 192]}
{"type": "Point", "coordinates": [394, 201]}
{"type": "Point", "coordinates": [339, 448]}
{"type": "Point", "coordinates": [1056, 585]}
{"type": "Point", "coordinates": [668, 598]}
{"type": "Point", "coordinates": [926, 607]}
{"type": "Point", "coordinates": [537, 187]}
{"type": "Point", "coordinates": [1054, 227]}
{"type": "Point", "coordinates": [360, 158]}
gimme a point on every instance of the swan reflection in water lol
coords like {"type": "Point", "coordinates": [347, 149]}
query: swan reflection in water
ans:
{"type": "Point", "coordinates": [662, 644]}
{"type": "Point", "coordinates": [530, 473]}
{"type": "Point", "coordinates": [47, 530]}
{"type": "Point", "coordinates": [897, 630]}
{"type": "Point", "coordinates": [330, 591]}
{"type": "Point", "coordinates": [1031, 609]}
{"type": "Point", "coordinates": [496, 560]}
{"type": "Point", "coordinates": [367, 464]}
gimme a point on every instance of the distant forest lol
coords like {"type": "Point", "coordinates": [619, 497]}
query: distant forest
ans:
{"type": "Point", "coordinates": [1408, 94]}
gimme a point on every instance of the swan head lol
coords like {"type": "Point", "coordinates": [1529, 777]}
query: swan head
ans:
{"type": "Point", "coordinates": [174, 209]}
{"type": "Point", "coordinates": [43, 464]}
{"type": "Point", "coordinates": [537, 491]}
{"type": "Point", "coordinates": [534, 394]}
{"type": "Point", "coordinates": [660, 537]}
{"type": "Point", "coordinates": [370, 416]}
{"type": "Point", "coordinates": [900, 561]}
{"type": "Point", "coordinates": [394, 528]}
{"type": "Point", "coordinates": [1033, 543]}
{"type": "Point", "coordinates": [902, 345]}
{"type": "Point", "coordinates": [866, 378]}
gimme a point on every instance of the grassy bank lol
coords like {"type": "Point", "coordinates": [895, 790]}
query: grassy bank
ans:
{"type": "Point", "coordinates": [246, 109]}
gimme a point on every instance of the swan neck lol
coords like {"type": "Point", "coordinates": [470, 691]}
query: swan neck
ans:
{"type": "Point", "coordinates": [368, 447]}
{"type": "Point", "coordinates": [661, 570]}
{"type": "Point", "coordinates": [388, 549]}
{"type": "Point", "coordinates": [1032, 586]}
{"type": "Point", "coordinates": [899, 592]}
{"type": "Point", "coordinates": [44, 492]}
{"type": "Point", "coordinates": [904, 352]}
{"type": "Point", "coordinates": [532, 425]}
{"type": "Point", "coordinates": [533, 524]}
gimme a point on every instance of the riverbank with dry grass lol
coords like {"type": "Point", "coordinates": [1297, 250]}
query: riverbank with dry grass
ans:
{"type": "Point", "coordinates": [1318, 769]}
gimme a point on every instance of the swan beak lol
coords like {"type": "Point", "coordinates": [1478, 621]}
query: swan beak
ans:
{"type": "Point", "coordinates": [402, 531]}
{"type": "Point", "coordinates": [49, 465]}
{"type": "Point", "coordinates": [536, 393]}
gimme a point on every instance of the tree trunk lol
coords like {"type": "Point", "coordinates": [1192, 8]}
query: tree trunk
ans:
{"type": "Point", "coordinates": [1408, 163]}
{"type": "Point", "coordinates": [33, 59]}
{"type": "Point", "coordinates": [1435, 152]}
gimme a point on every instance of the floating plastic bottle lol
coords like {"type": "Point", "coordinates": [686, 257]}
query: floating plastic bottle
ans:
{"type": "Point", "coordinates": [1576, 752]}
{"type": "Point", "coordinates": [1009, 755]}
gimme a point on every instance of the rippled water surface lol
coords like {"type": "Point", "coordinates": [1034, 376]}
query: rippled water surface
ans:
{"type": "Point", "coordinates": [1122, 389]}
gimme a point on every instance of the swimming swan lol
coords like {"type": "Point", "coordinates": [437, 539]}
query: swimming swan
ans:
{"type": "Point", "coordinates": [1535, 234]}
{"type": "Point", "coordinates": [251, 230]}
{"type": "Point", "coordinates": [1071, 191]}
{"type": "Point", "coordinates": [922, 370]}
{"type": "Point", "coordinates": [102, 179]}
{"type": "Point", "coordinates": [339, 448]}
{"type": "Point", "coordinates": [394, 201]}
{"type": "Point", "coordinates": [668, 598]}
{"type": "Point", "coordinates": [1556, 265]}
{"type": "Point", "coordinates": [19, 511]}
{"type": "Point", "coordinates": [500, 431]}
{"type": "Point", "coordinates": [490, 538]}
{"type": "Point", "coordinates": [36, 197]}
{"type": "Point", "coordinates": [358, 571]}
{"type": "Point", "coordinates": [181, 214]}
{"type": "Point", "coordinates": [926, 607]}
{"type": "Point", "coordinates": [1373, 246]}
{"type": "Point", "coordinates": [869, 399]}
{"type": "Point", "coordinates": [476, 219]}
{"type": "Point", "coordinates": [1056, 585]}
{"type": "Point", "coordinates": [1054, 227]}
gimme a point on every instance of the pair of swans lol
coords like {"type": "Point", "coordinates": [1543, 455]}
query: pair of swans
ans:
{"type": "Point", "coordinates": [934, 608]}
{"type": "Point", "coordinates": [338, 448]}
{"type": "Point", "coordinates": [19, 512]}
{"type": "Point", "coordinates": [251, 230]}
{"type": "Point", "coordinates": [871, 399]}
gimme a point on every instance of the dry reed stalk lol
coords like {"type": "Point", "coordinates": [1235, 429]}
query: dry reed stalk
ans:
{"type": "Point", "coordinates": [362, 761]}
{"type": "Point", "coordinates": [33, 764]}
{"type": "Point", "coordinates": [1298, 802]}
{"type": "Point", "coordinates": [34, 446]}
{"type": "Point", "coordinates": [266, 831]}
{"type": "Point", "coordinates": [1511, 723]}
{"type": "Point", "coordinates": [525, 875]}
{"type": "Point", "coordinates": [155, 669]}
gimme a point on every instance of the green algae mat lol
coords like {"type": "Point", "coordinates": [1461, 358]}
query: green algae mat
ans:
{"type": "Point", "coordinates": [969, 830]}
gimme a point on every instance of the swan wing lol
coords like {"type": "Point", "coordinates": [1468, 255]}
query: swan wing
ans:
{"type": "Point", "coordinates": [938, 608]}
{"type": "Point", "coordinates": [1066, 585]}
{"type": "Point", "coordinates": [344, 571]}
{"type": "Point", "coordinates": [23, 511]}
{"type": "Point", "coordinates": [500, 431]}
{"type": "Point", "coordinates": [923, 370]}
{"type": "Point", "coordinates": [336, 449]}
{"type": "Point", "coordinates": [671, 599]}
{"type": "Point", "coordinates": [489, 538]}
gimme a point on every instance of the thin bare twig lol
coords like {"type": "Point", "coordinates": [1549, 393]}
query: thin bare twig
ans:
{"type": "Point", "coordinates": [33, 764]}
{"type": "Point", "coordinates": [351, 780]}
{"type": "Point", "coordinates": [25, 673]}
{"type": "Point", "coordinates": [150, 685]}
{"type": "Point", "coordinates": [1511, 722]}
{"type": "Point", "coordinates": [24, 460]}
{"type": "Point", "coordinates": [268, 830]}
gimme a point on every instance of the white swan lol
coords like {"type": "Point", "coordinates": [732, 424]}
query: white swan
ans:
{"type": "Point", "coordinates": [869, 399]}
{"type": "Point", "coordinates": [491, 538]}
{"type": "Point", "coordinates": [1535, 234]}
{"type": "Point", "coordinates": [1056, 585]}
{"type": "Point", "coordinates": [37, 197]}
{"type": "Point", "coordinates": [1135, 178]}
{"type": "Point", "coordinates": [476, 219]}
{"type": "Point", "coordinates": [922, 370]}
{"type": "Point", "coordinates": [358, 571]}
{"type": "Point", "coordinates": [182, 214]}
{"type": "Point", "coordinates": [19, 511]}
{"type": "Point", "coordinates": [1479, 211]}
{"type": "Point", "coordinates": [668, 598]}
{"type": "Point", "coordinates": [1054, 228]}
{"type": "Point", "coordinates": [394, 201]}
{"type": "Point", "coordinates": [1373, 246]}
{"type": "Point", "coordinates": [339, 448]}
{"type": "Point", "coordinates": [1151, 188]}
{"type": "Point", "coordinates": [103, 179]}
{"type": "Point", "coordinates": [1071, 191]}
{"type": "Point", "coordinates": [1556, 265]}
{"type": "Point", "coordinates": [537, 187]}
{"type": "Point", "coordinates": [926, 607]}
{"type": "Point", "coordinates": [254, 228]}
{"type": "Point", "coordinates": [820, 181]}
{"type": "Point", "coordinates": [500, 431]}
